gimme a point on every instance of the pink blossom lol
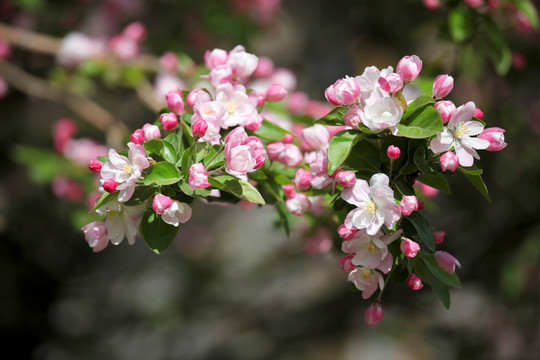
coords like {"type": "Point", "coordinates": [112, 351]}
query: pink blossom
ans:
{"type": "Point", "coordinates": [175, 102]}
{"type": "Point", "coordinates": [161, 203]}
{"type": "Point", "coordinates": [95, 235]}
{"type": "Point", "coordinates": [426, 190]}
{"type": "Point", "coordinates": [409, 68]}
{"type": "Point", "coordinates": [95, 165]}
{"type": "Point", "coordinates": [414, 282]}
{"type": "Point", "coordinates": [391, 83]}
{"type": "Point", "coordinates": [123, 47]}
{"type": "Point", "coordinates": [298, 204]}
{"type": "Point", "coordinates": [168, 121]}
{"type": "Point", "coordinates": [393, 152]}
{"type": "Point", "coordinates": [439, 236]}
{"type": "Point", "coordinates": [169, 62]}
{"type": "Point", "coordinates": [287, 154]}
{"type": "Point", "coordinates": [409, 248]}
{"type": "Point", "coordinates": [319, 171]}
{"type": "Point", "coordinates": [446, 261]}
{"type": "Point", "coordinates": [110, 186]}
{"type": "Point", "coordinates": [287, 139]}
{"type": "Point", "coordinates": [344, 178]}
{"type": "Point", "coordinates": [382, 113]}
{"type": "Point", "coordinates": [120, 221]}
{"type": "Point", "coordinates": [165, 82]}
{"type": "Point", "coordinates": [151, 132]}
{"type": "Point", "coordinates": [289, 191]}
{"type": "Point", "coordinates": [317, 110]}
{"type": "Point", "coordinates": [215, 58]}
{"type": "Point", "coordinates": [346, 233]}
{"type": "Point", "coordinates": [297, 102]}
{"type": "Point", "coordinates": [320, 243]}
{"type": "Point", "coordinates": [137, 137]}
{"type": "Point", "coordinates": [366, 280]}
{"type": "Point", "coordinates": [519, 61]}
{"type": "Point", "coordinates": [258, 98]}
{"type": "Point", "coordinates": [374, 314]}
{"type": "Point", "coordinates": [446, 109]}
{"type": "Point", "coordinates": [265, 67]}
{"type": "Point", "coordinates": [197, 96]}
{"type": "Point", "coordinates": [442, 85]}
{"type": "Point", "coordinates": [302, 179]}
{"type": "Point", "coordinates": [239, 157]}
{"type": "Point", "coordinates": [375, 204]}
{"type": "Point", "coordinates": [353, 116]}
{"type": "Point", "coordinates": [408, 204]}
{"type": "Point", "coordinates": [240, 109]}
{"type": "Point", "coordinates": [242, 62]}
{"type": "Point", "coordinates": [369, 250]}
{"type": "Point", "coordinates": [63, 131]}
{"type": "Point", "coordinates": [346, 264]}
{"type": "Point", "coordinates": [81, 151]}
{"type": "Point", "coordinates": [178, 212]}
{"type": "Point", "coordinates": [431, 4]}
{"type": "Point", "coordinates": [346, 91]}
{"type": "Point", "coordinates": [495, 136]}
{"type": "Point", "coordinates": [198, 176]}
{"type": "Point", "coordinates": [474, 3]}
{"type": "Point", "coordinates": [199, 128]}
{"type": "Point", "coordinates": [65, 188]}
{"type": "Point", "coordinates": [276, 92]}
{"type": "Point", "coordinates": [221, 74]}
{"type": "Point", "coordinates": [211, 112]}
{"type": "Point", "coordinates": [479, 114]}
{"type": "Point", "coordinates": [449, 161]}
{"type": "Point", "coordinates": [316, 137]}
{"type": "Point", "coordinates": [135, 31]}
{"type": "Point", "coordinates": [258, 148]}
{"type": "Point", "coordinates": [330, 95]}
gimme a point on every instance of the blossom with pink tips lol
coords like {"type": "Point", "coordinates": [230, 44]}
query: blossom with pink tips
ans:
{"type": "Point", "coordinates": [408, 204]}
{"type": "Point", "coordinates": [391, 83]}
{"type": "Point", "coordinates": [409, 248]}
{"type": "Point", "coordinates": [211, 112]}
{"type": "Point", "coordinates": [199, 128]}
{"type": "Point", "coordinates": [446, 261]}
{"type": "Point", "coordinates": [124, 47]}
{"type": "Point", "coordinates": [177, 213]}
{"type": "Point", "coordinates": [95, 234]}
{"type": "Point", "coordinates": [197, 96]}
{"type": "Point", "coordinates": [374, 314]}
{"type": "Point", "coordinates": [369, 250]}
{"type": "Point", "coordinates": [495, 136]}
{"type": "Point", "coordinates": [242, 62]}
{"type": "Point", "coordinates": [63, 131]}
{"type": "Point", "coordinates": [346, 233]}
{"type": "Point", "coordinates": [366, 280]}
{"type": "Point", "coordinates": [135, 31]}
{"type": "Point", "coordinates": [302, 179]}
{"type": "Point", "coordinates": [375, 203]}
{"type": "Point", "coordinates": [221, 74]}
{"type": "Point", "coordinates": [168, 121]}
{"type": "Point", "coordinates": [161, 203]}
{"type": "Point", "coordinates": [198, 176]}
{"type": "Point", "coordinates": [393, 152]}
{"type": "Point", "coordinates": [442, 85]}
{"type": "Point", "coordinates": [120, 221]}
{"type": "Point", "coordinates": [346, 91]}
{"type": "Point", "coordinates": [240, 158]}
{"type": "Point", "coordinates": [431, 4]}
{"type": "Point", "coordinates": [319, 171]}
{"type": "Point", "coordinates": [288, 154]}
{"type": "Point", "coordinates": [426, 190]}
{"type": "Point", "coordinates": [446, 109]}
{"type": "Point", "coordinates": [175, 102]}
{"type": "Point", "coordinates": [414, 282]}
{"type": "Point", "coordinates": [151, 132]}
{"type": "Point", "coordinates": [297, 102]}
{"type": "Point", "coordinates": [276, 92]}
{"type": "Point", "coordinates": [319, 243]}
{"type": "Point", "coordinates": [240, 109]}
{"type": "Point", "coordinates": [345, 263]}
{"type": "Point", "coordinates": [215, 58]}
{"type": "Point", "coordinates": [289, 190]}
{"type": "Point", "coordinates": [298, 204]}
{"type": "Point", "coordinates": [344, 178]}
{"type": "Point", "coordinates": [409, 68]}
{"type": "Point", "coordinates": [438, 236]}
{"type": "Point", "coordinates": [65, 188]}
{"type": "Point", "coordinates": [449, 161]}
{"type": "Point", "coordinates": [353, 117]}
{"type": "Point", "coordinates": [316, 137]}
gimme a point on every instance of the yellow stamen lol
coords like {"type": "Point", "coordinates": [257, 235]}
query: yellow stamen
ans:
{"type": "Point", "coordinates": [371, 248]}
{"type": "Point", "coordinates": [127, 169]}
{"type": "Point", "coordinates": [231, 107]}
{"type": "Point", "coordinates": [366, 274]}
{"type": "Point", "coordinates": [460, 131]}
{"type": "Point", "coordinates": [371, 207]}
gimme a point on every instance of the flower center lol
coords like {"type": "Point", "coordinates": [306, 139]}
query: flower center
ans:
{"type": "Point", "coordinates": [366, 274]}
{"type": "Point", "coordinates": [111, 214]}
{"type": "Point", "coordinates": [371, 248]}
{"type": "Point", "coordinates": [231, 107]}
{"type": "Point", "coordinates": [127, 169]}
{"type": "Point", "coordinates": [371, 207]}
{"type": "Point", "coordinates": [460, 130]}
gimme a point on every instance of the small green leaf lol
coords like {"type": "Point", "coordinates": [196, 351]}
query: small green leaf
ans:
{"type": "Point", "coordinates": [421, 162]}
{"type": "Point", "coordinates": [422, 228]}
{"type": "Point", "coordinates": [239, 188]}
{"type": "Point", "coordinates": [185, 162]}
{"type": "Point", "coordinates": [140, 195]}
{"type": "Point", "coordinates": [157, 233]}
{"type": "Point", "coordinates": [334, 117]}
{"type": "Point", "coordinates": [479, 184]}
{"type": "Point", "coordinates": [471, 170]}
{"type": "Point", "coordinates": [435, 269]}
{"type": "Point", "coordinates": [214, 161]}
{"type": "Point", "coordinates": [527, 8]}
{"type": "Point", "coordinates": [270, 131]}
{"type": "Point", "coordinates": [364, 155]}
{"type": "Point", "coordinates": [436, 180]}
{"type": "Point", "coordinates": [422, 124]}
{"type": "Point", "coordinates": [460, 24]}
{"type": "Point", "coordinates": [104, 200]}
{"type": "Point", "coordinates": [173, 139]}
{"type": "Point", "coordinates": [200, 192]}
{"type": "Point", "coordinates": [162, 148]}
{"type": "Point", "coordinates": [340, 147]}
{"type": "Point", "coordinates": [162, 173]}
{"type": "Point", "coordinates": [417, 104]}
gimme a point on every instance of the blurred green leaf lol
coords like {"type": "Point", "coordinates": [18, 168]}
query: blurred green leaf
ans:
{"type": "Point", "coordinates": [527, 8]}
{"type": "Point", "coordinates": [422, 228]}
{"type": "Point", "coordinates": [496, 47]}
{"type": "Point", "coordinates": [479, 184]}
{"type": "Point", "coordinates": [460, 23]}
{"type": "Point", "coordinates": [441, 289]}
{"type": "Point", "coordinates": [334, 117]}
{"type": "Point", "coordinates": [435, 269]}
{"type": "Point", "coordinates": [157, 233]}
{"type": "Point", "coordinates": [270, 131]}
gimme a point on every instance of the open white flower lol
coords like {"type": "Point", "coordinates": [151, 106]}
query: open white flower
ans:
{"type": "Point", "coordinates": [369, 250]}
{"type": "Point", "coordinates": [119, 221]}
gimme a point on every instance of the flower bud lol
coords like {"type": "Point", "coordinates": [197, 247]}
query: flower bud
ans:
{"type": "Point", "coordinates": [287, 139]}
{"type": "Point", "coordinates": [276, 92]}
{"type": "Point", "coordinates": [5, 49]}
{"type": "Point", "coordinates": [346, 91]}
{"type": "Point", "coordinates": [161, 203]}
{"type": "Point", "coordinates": [135, 31]}
{"type": "Point", "coordinates": [289, 191]}
{"type": "Point", "coordinates": [345, 178]}
{"type": "Point", "coordinates": [265, 67]}
{"type": "Point", "coordinates": [495, 136]}
{"type": "Point", "coordinates": [221, 74]}
{"type": "Point", "coordinates": [374, 314]}
{"type": "Point", "coordinates": [409, 68]}
{"type": "Point", "coordinates": [199, 128]}
{"type": "Point", "coordinates": [474, 3]}
{"type": "Point", "coordinates": [432, 4]}
{"type": "Point", "coordinates": [175, 102]}
{"type": "Point", "coordinates": [345, 263]}
{"type": "Point", "coordinates": [95, 235]}
{"type": "Point", "coordinates": [169, 62]}
{"type": "Point", "coordinates": [439, 236]}
{"type": "Point", "coordinates": [302, 179]}
{"type": "Point", "coordinates": [479, 114]}
{"type": "Point", "coordinates": [409, 248]}
{"type": "Point", "coordinates": [197, 96]}
{"type": "Point", "coordinates": [169, 121]}
{"type": "Point", "coordinates": [446, 261]}
{"type": "Point", "coordinates": [137, 137]}
{"type": "Point", "coordinates": [298, 204]}
{"type": "Point", "coordinates": [414, 282]}
{"type": "Point", "coordinates": [391, 83]}
{"type": "Point", "coordinates": [198, 176]}
{"type": "Point", "coordinates": [446, 109]}
{"type": "Point", "coordinates": [449, 161]}
{"type": "Point", "coordinates": [330, 96]}
{"type": "Point", "coordinates": [353, 116]}
{"type": "Point", "coordinates": [95, 165]}
{"type": "Point", "coordinates": [215, 57]}
{"type": "Point", "coordinates": [442, 85]}
{"type": "Point", "coordinates": [275, 150]}
{"type": "Point", "coordinates": [408, 204]}
{"type": "Point", "coordinates": [292, 156]}
{"type": "Point", "coordinates": [110, 186]}
{"type": "Point", "coordinates": [316, 137]}
{"type": "Point", "coordinates": [393, 152]}
{"type": "Point", "coordinates": [346, 233]}
{"type": "Point", "coordinates": [151, 132]}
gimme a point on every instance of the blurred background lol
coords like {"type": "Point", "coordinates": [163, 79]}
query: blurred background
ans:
{"type": "Point", "coordinates": [233, 286]}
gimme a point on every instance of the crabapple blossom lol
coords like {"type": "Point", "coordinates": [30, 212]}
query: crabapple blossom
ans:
{"type": "Point", "coordinates": [95, 165]}
{"type": "Point", "coordinates": [408, 204]}
{"type": "Point", "coordinates": [110, 186]}
{"type": "Point", "coordinates": [479, 114]}
{"type": "Point", "coordinates": [289, 191]}
{"type": "Point", "coordinates": [446, 109]}
{"type": "Point", "coordinates": [319, 172]}
{"type": "Point", "coordinates": [242, 62]}
{"type": "Point", "coordinates": [344, 178]}
{"type": "Point", "coordinates": [199, 128]}
{"type": "Point", "coordinates": [161, 203]}
{"type": "Point", "coordinates": [382, 113]}
{"type": "Point", "coordinates": [446, 261]}
{"type": "Point", "coordinates": [346, 233]}
{"type": "Point", "coordinates": [353, 116]}
{"type": "Point", "coordinates": [178, 212]}
{"type": "Point", "coordinates": [316, 137]}
{"type": "Point", "coordinates": [375, 204]}
{"type": "Point", "coordinates": [319, 243]}
{"type": "Point", "coordinates": [175, 102]}
{"type": "Point", "coordinates": [393, 152]}
{"type": "Point", "coordinates": [5, 49]}
{"type": "Point", "coordinates": [438, 236]}
{"type": "Point", "coordinates": [198, 176]}
{"type": "Point", "coordinates": [258, 98]}
{"type": "Point", "coordinates": [369, 250]}
{"type": "Point", "coordinates": [409, 248]}
{"type": "Point", "coordinates": [346, 264]}
{"type": "Point", "coordinates": [298, 204]}
{"type": "Point", "coordinates": [495, 136]}
{"type": "Point", "coordinates": [215, 58]}
{"type": "Point", "coordinates": [449, 161]}
{"type": "Point", "coordinates": [137, 137]}
{"type": "Point", "coordinates": [169, 121]}
{"type": "Point", "coordinates": [288, 154]}
{"type": "Point", "coordinates": [458, 134]}
{"type": "Point", "coordinates": [297, 102]}
{"type": "Point", "coordinates": [151, 132]}
{"type": "Point", "coordinates": [95, 235]}
{"type": "Point", "coordinates": [240, 109]}
{"type": "Point", "coordinates": [124, 47]}
{"type": "Point", "coordinates": [276, 92]}
{"type": "Point", "coordinates": [374, 314]}
{"type": "Point", "coordinates": [366, 280]}
{"type": "Point", "coordinates": [197, 96]}
{"type": "Point", "coordinates": [414, 282]}
{"type": "Point", "coordinates": [240, 158]}
{"type": "Point", "coordinates": [391, 83]}
{"type": "Point", "coordinates": [409, 68]}
{"type": "Point", "coordinates": [346, 91]}
{"type": "Point", "coordinates": [442, 85]}
{"type": "Point", "coordinates": [65, 188]}
{"type": "Point", "coordinates": [119, 221]}
{"type": "Point", "coordinates": [221, 74]}
{"type": "Point", "coordinates": [302, 179]}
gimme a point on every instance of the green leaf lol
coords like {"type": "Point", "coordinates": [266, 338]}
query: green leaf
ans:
{"type": "Point", "coordinates": [421, 124]}
{"type": "Point", "coordinates": [200, 192]}
{"type": "Point", "coordinates": [441, 290]}
{"type": "Point", "coordinates": [172, 138]}
{"type": "Point", "coordinates": [212, 161]}
{"type": "Point", "coordinates": [496, 47]}
{"type": "Point", "coordinates": [404, 187]}
{"type": "Point", "coordinates": [270, 131]}
{"type": "Point", "coordinates": [527, 8]}
{"type": "Point", "coordinates": [471, 170]}
{"type": "Point", "coordinates": [187, 135]}
{"type": "Point", "coordinates": [157, 233]}
{"type": "Point", "coordinates": [162, 148]}
{"type": "Point", "coordinates": [140, 195]}
{"type": "Point", "coordinates": [283, 216]}
{"type": "Point", "coordinates": [479, 184]}
{"type": "Point", "coordinates": [422, 228]}
{"type": "Point", "coordinates": [162, 173]}
{"type": "Point", "coordinates": [417, 104]}
{"type": "Point", "coordinates": [460, 24]}
{"type": "Point", "coordinates": [185, 162]}
{"type": "Point", "coordinates": [340, 147]}
{"type": "Point", "coordinates": [239, 188]}
{"type": "Point", "coordinates": [438, 181]}
{"type": "Point", "coordinates": [334, 117]}
{"type": "Point", "coordinates": [44, 165]}
{"type": "Point", "coordinates": [435, 269]}
{"type": "Point", "coordinates": [410, 167]}
{"type": "Point", "coordinates": [364, 155]}
{"type": "Point", "coordinates": [421, 162]}
{"type": "Point", "coordinates": [104, 200]}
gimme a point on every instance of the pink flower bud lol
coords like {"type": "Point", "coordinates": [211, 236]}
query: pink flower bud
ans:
{"type": "Point", "coordinates": [345, 263]}
{"type": "Point", "coordinates": [289, 191]}
{"type": "Point", "coordinates": [259, 97]}
{"type": "Point", "coordinates": [264, 68]}
{"type": "Point", "coordinates": [137, 137]}
{"type": "Point", "coordinates": [276, 92]}
{"type": "Point", "coordinates": [439, 236]}
{"type": "Point", "coordinates": [297, 103]}
{"type": "Point", "coordinates": [393, 152]}
{"type": "Point", "coordinates": [123, 47]}
{"type": "Point", "coordinates": [345, 178]}
{"type": "Point", "coordinates": [292, 156]}
{"type": "Point", "coordinates": [197, 96]}
{"type": "Point", "coordinates": [330, 96]}
{"type": "Point", "coordinates": [409, 68]}
{"type": "Point", "coordinates": [346, 233]}
{"type": "Point", "coordinates": [5, 49]}
{"type": "Point", "coordinates": [135, 31]}
{"type": "Point", "coordinates": [302, 179]}
{"type": "Point", "coordinates": [316, 137]}
{"type": "Point", "coordinates": [409, 248]}
{"type": "Point", "coordinates": [175, 102]}
{"type": "Point", "coordinates": [95, 165]}
{"type": "Point", "coordinates": [199, 128]}
{"type": "Point", "coordinates": [287, 139]}
{"type": "Point", "coordinates": [110, 186]}
{"type": "Point", "coordinates": [414, 282]}
{"type": "Point", "coordinates": [474, 3]}
{"type": "Point", "coordinates": [431, 4]}
{"type": "Point", "coordinates": [169, 121]}
{"type": "Point", "coordinates": [221, 74]}
{"type": "Point", "coordinates": [374, 314]}
{"type": "Point", "coordinates": [198, 176]}
{"type": "Point", "coordinates": [151, 132]}
{"type": "Point", "coordinates": [408, 204]}
{"type": "Point", "coordinates": [95, 235]}
{"type": "Point", "coordinates": [169, 62]}
{"type": "Point", "coordinates": [275, 150]}
{"type": "Point", "coordinates": [298, 204]}
{"type": "Point", "coordinates": [353, 116]}
{"type": "Point", "coordinates": [449, 161]}
{"type": "Point", "coordinates": [479, 114]}
{"type": "Point", "coordinates": [519, 61]}
{"type": "Point", "coordinates": [346, 91]}
{"type": "Point", "coordinates": [495, 136]}
{"type": "Point", "coordinates": [446, 109]}
{"type": "Point", "coordinates": [258, 148]}
{"type": "Point", "coordinates": [161, 203]}
{"type": "Point", "coordinates": [215, 58]}
{"type": "Point", "coordinates": [446, 261]}
{"type": "Point", "coordinates": [442, 85]}
{"type": "Point", "coordinates": [391, 83]}
{"type": "Point", "coordinates": [63, 131]}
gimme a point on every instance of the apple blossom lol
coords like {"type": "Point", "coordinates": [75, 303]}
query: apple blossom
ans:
{"type": "Point", "coordinates": [175, 102]}
{"type": "Point", "coordinates": [346, 264]}
{"type": "Point", "coordinates": [197, 96]}
{"type": "Point", "coordinates": [169, 121]}
{"type": "Point", "coordinates": [319, 172]}
{"type": "Point", "coordinates": [137, 137]}
{"type": "Point", "coordinates": [369, 250]}
{"type": "Point", "coordinates": [438, 236]}
{"type": "Point", "coordinates": [414, 282]}
{"type": "Point", "coordinates": [135, 31]}
{"type": "Point", "coordinates": [276, 92]}
{"type": "Point", "coordinates": [346, 233]}
{"type": "Point", "coordinates": [95, 234]}
{"type": "Point", "coordinates": [198, 176]}
{"type": "Point", "coordinates": [221, 74]}
{"type": "Point", "coordinates": [242, 62]}
{"type": "Point", "coordinates": [391, 83]}
{"type": "Point", "coordinates": [298, 204]}
{"type": "Point", "coordinates": [346, 91]}
{"type": "Point", "coordinates": [408, 204]}
{"type": "Point", "coordinates": [393, 152]}
{"type": "Point", "coordinates": [178, 212]}
{"type": "Point", "coordinates": [353, 116]}
{"type": "Point", "coordinates": [446, 261]}
{"type": "Point", "coordinates": [449, 161]}
{"type": "Point", "coordinates": [151, 132]}
{"type": "Point", "coordinates": [409, 68]}
{"type": "Point", "coordinates": [110, 186]}
{"type": "Point", "coordinates": [119, 221]}
{"type": "Point", "coordinates": [215, 57]}
{"type": "Point", "coordinates": [344, 178]}
{"type": "Point", "coordinates": [289, 191]}
{"type": "Point", "coordinates": [302, 179]}
{"type": "Point", "coordinates": [169, 62]}
{"type": "Point", "coordinates": [495, 136]}
{"type": "Point", "coordinates": [409, 248]}
{"type": "Point", "coordinates": [95, 165]}
{"type": "Point", "coordinates": [316, 137]}
{"type": "Point", "coordinates": [442, 85]}
{"type": "Point", "coordinates": [265, 67]}
{"type": "Point", "coordinates": [161, 203]}
{"type": "Point", "coordinates": [366, 280]}
{"type": "Point", "coordinates": [374, 314]}
{"type": "Point", "coordinates": [382, 113]}
{"type": "Point", "coordinates": [446, 109]}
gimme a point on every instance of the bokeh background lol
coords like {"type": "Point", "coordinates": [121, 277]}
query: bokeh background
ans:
{"type": "Point", "coordinates": [233, 286]}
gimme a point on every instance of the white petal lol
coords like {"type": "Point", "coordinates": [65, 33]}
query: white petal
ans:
{"type": "Point", "coordinates": [442, 142]}
{"type": "Point", "coordinates": [473, 128]}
